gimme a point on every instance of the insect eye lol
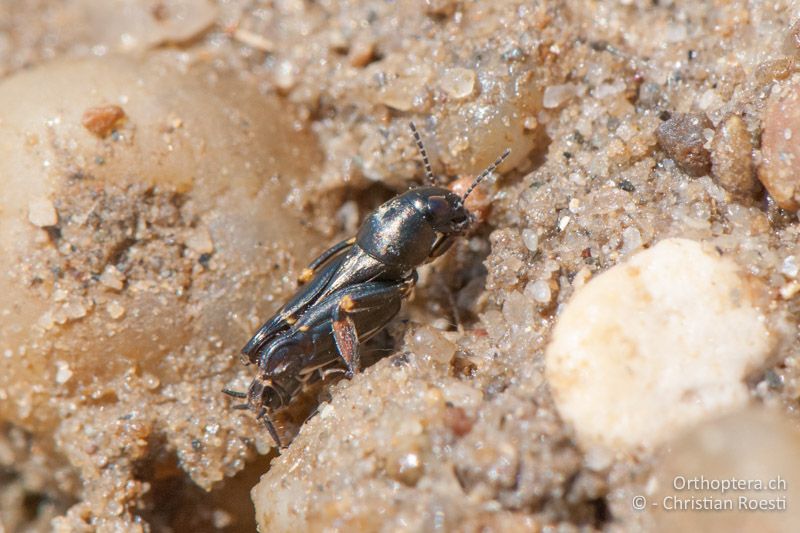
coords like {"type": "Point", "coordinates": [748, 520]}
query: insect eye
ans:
{"type": "Point", "coordinates": [439, 206]}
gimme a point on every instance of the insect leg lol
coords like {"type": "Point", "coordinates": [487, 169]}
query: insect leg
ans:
{"type": "Point", "coordinates": [346, 336]}
{"type": "Point", "coordinates": [441, 245]}
{"type": "Point", "coordinates": [329, 371]}
{"type": "Point", "coordinates": [378, 299]}
{"type": "Point", "coordinates": [267, 421]}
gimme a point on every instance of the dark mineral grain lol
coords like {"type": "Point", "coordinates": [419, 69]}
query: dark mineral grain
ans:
{"type": "Point", "coordinates": [682, 138]}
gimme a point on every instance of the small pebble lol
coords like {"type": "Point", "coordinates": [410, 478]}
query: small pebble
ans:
{"type": "Point", "coordinates": [112, 278]}
{"type": "Point", "coordinates": [441, 8]}
{"type": "Point", "coordinates": [405, 467]}
{"type": "Point", "coordinates": [284, 77]}
{"type": "Point", "coordinates": [398, 94]}
{"type": "Point", "coordinates": [732, 158]}
{"type": "Point", "coordinates": [221, 519]}
{"type": "Point", "coordinates": [456, 419]}
{"type": "Point", "coordinates": [556, 95]}
{"type": "Point", "coordinates": [791, 43]}
{"type": "Point", "coordinates": [650, 95]}
{"type": "Point", "coordinates": [682, 137]}
{"type": "Point", "coordinates": [789, 290]}
{"type": "Point", "coordinates": [362, 51]}
{"type": "Point", "coordinates": [789, 267]}
{"type": "Point", "coordinates": [779, 170]}
{"type": "Point", "coordinates": [539, 291]}
{"type": "Point", "coordinates": [458, 83]}
{"type": "Point", "coordinates": [102, 120]}
{"type": "Point", "coordinates": [42, 213]}
{"type": "Point", "coordinates": [150, 381]}
{"type": "Point", "coordinates": [75, 310]}
{"type": "Point", "coordinates": [631, 240]}
{"type": "Point", "coordinates": [428, 341]}
{"type": "Point", "coordinates": [326, 411]}
{"type": "Point", "coordinates": [348, 216]}
{"type": "Point", "coordinates": [531, 239]}
{"type": "Point", "coordinates": [253, 40]}
{"type": "Point", "coordinates": [63, 372]}
{"type": "Point", "coordinates": [115, 310]}
{"type": "Point", "coordinates": [200, 241]}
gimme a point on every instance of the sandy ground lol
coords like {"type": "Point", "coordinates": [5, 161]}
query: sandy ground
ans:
{"type": "Point", "coordinates": [169, 167]}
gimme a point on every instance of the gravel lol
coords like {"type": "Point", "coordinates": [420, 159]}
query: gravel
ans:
{"type": "Point", "coordinates": [248, 126]}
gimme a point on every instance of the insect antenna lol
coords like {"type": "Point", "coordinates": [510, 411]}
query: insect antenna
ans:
{"type": "Point", "coordinates": [491, 168]}
{"type": "Point", "coordinates": [234, 393]}
{"type": "Point", "coordinates": [424, 154]}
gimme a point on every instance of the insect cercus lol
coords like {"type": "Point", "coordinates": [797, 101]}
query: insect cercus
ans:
{"type": "Point", "coordinates": [351, 291]}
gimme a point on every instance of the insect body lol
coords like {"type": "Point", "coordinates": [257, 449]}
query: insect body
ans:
{"type": "Point", "coordinates": [350, 292]}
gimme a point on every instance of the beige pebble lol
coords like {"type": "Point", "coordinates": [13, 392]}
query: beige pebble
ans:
{"type": "Point", "coordinates": [115, 310]}
{"type": "Point", "coordinates": [656, 344]}
{"type": "Point", "coordinates": [789, 290]}
{"type": "Point", "coordinates": [112, 278]}
{"type": "Point", "coordinates": [200, 241]}
{"type": "Point", "coordinates": [253, 40]}
{"type": "Point", "coordinates": [75, 310]}
{"type": "Point", "coordinates": [780, 168]}
{"type": "Point", "coordinates": [285, 77]}
{"type": "Point", "coordinates": [732, 158]}
{"type": "Point", "coordinates": [399, 94]}
{"type": "Point", "coordinates": [63, 372]}
{"type": "Point", "coordinates": [362, 51]}
{"type": "Point", "coordinates": [42, 213]}
{"type": "Point", "coordinates": [556, 95]}
{"type": "Point", "coordinates": [458, 83]}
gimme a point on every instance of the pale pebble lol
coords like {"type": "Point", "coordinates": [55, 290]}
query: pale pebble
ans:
{"type": "Point", "coordinates": [42, 213]}
{"type": "Point", "coordinates": [530, 239]}
{"type": "Point", "coordinates": [655, 345]}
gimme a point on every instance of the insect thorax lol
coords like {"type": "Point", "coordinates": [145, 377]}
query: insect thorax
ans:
{"type": "Point", "coordinates": [397, 234]}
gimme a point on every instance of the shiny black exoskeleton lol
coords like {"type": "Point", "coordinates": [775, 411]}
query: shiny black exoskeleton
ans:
{"type": "Point", "coordinates": [351, 292]}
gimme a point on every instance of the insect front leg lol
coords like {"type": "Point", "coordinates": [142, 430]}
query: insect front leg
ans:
{"type": "Point", "coordinates": [362, 310]}
{"type": "Point", "coordinates": [263, 413]}
{"type": "Point", "coordinates": [273, 432]}
{"type": "Point", "coordinates": [264, 397]}
{"type": "Point", "coordinates": [441, 245]}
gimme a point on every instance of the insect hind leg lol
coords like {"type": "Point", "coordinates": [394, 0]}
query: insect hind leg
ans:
{"type": "Point", "coordinates": [367, 308]}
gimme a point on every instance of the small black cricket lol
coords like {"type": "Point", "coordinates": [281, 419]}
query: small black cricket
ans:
{"type": "Point", "coordinates": [351, 291]}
